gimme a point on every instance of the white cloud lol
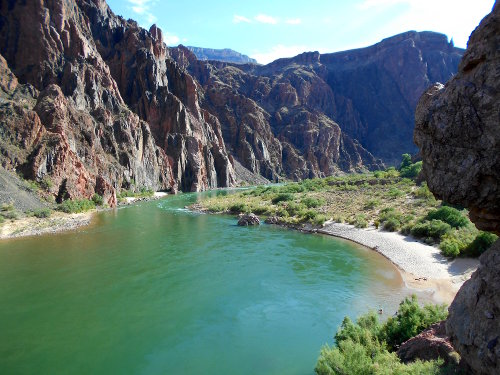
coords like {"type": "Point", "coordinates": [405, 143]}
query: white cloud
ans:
{"type": "Point", "coordinates": [264, 18]}
{"type": "Point", "coordinates": [239, 19]}
{"type": "Point", "coordinates": [171, 39]}
{"type": "Point", "coordinates": [280, 51]}
{"type": "Point", "coordinates": [143, 10]}
{"type": "Point", "coordinates": [294, 21]}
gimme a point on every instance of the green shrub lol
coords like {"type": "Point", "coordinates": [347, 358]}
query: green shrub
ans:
{"type": "Point", "coordinates": [42, 213]}
{"type": "Point", "coordinates": [238, 207]}
{"type": "Point", "coordinates": [320, 220]}
{"type": "Point", "coordinates": [395, 193]}
{"type": "Point", "coordinates": [76, 206]}
{"type": "Point", "coordinates": [481, 243]}
{"type": "Point", "coordinates": [372, 203]}
{"type": "Point", "coordinates": [360, 221]}
{"type": "Point", "coordinates": [283, 197]}
{"type": "Point", "coordinates": [10, 214]}
{"type": "Point", "coordinates": [410, 320]}
{"type": "Point", "coordinates": [449, 215]}
{"type": "Point", "coordinates": [360, 348]}
{"type": "Point", "coordinates": [2, 219]}
{"type": "Point", "coordinates": [423, 192]}
{"type": "Point", "coordinates": [391, 172]}
{"type": "Point", "coordinates": [46, 184]}
{"type": "Point", "coordinates": [97, 199]}
{"type": "Point", "coordinates": [431, 229]}
{"type": "Point", "coordinates": [411, 171]}
{"type": "Point", "coordinates": [392, 224]}
{"type": "Point", "coordinates": [7, 207]}
{"type": "Point", "coordinates": [310, 202]}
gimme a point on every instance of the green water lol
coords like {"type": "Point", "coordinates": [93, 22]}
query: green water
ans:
{"type": "Point", "coordinates": [154, 289]}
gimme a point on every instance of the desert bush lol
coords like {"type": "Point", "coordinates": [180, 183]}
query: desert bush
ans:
{"type": "Point", "coordinates": [361, 347]}
{"type": "Point", "coordinates": [395, 193]}
{"type": "Point", "coordinates": [480, 244]}
{"type": "Point", "coordinates": [449, 215]}
{"type": "Point", "coordinates": [46, 183]}
{"type": "Point", "coordinates": [412, 171]}
{"type": "Point", "coordinates": [431, 229]}
{"type": "Point", "coordinates": [42, 213]}
{"type": "Point", "coordinates": [423, 192]}
{"type": "Point", "coordinates": [360, 221]}
{"type": "Point", "coordinates": [97, 199]}
{"type": "Point", "coordinates": [310, 202]}
{"type": "Point", "coordinates": [283, 197]}
{"type": "Point", "coordinates": [76, 206]}
{"type": "Point", "coordinates": [372, 203]}
{"type": "Point", "coordinates": [238, 207]}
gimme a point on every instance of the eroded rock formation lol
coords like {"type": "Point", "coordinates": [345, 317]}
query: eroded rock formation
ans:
{"type": "Point", "coordinates": [458, 132]}
{"type": "Point", "coordinates": [100, 105]}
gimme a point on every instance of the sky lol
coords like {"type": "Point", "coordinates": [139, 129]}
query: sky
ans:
{"type": "Point", "coordinates": [268, 30]}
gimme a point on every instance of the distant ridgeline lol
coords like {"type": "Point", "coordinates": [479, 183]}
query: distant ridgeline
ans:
{"type": "Point", "coordinates": [225, 55]}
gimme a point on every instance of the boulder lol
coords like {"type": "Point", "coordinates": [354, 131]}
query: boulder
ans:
{"type": "Point", "coordinates": [428, 345]}
{"type": "Point", "coordinates": [248, 219]}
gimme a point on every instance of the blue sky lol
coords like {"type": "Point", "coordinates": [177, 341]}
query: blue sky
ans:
{"type": "Point", "coordinates": [267, 30]}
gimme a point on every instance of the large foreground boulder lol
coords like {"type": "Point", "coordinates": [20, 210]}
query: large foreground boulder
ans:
{"type": "Point", "coordinates": [457, 127]}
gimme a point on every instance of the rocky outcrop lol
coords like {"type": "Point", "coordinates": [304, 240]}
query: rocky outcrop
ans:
{"type": "Point", "coordinates": [474, 316]}
{"type": "Point", "coordinates": [429, 345]}
{"type": "Point", "coordinates": [458, 132]}
{"type": "Point", "coordinates": [458, 129]}
{"type": "Point", "coordinates": [95, 104]}
{"type": "Point", "coordinates": [245, 220]}
{"type": "Point", "coordinates": [225, 55]}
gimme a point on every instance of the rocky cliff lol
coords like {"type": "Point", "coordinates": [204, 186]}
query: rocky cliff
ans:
{"type": "Point", "coordinates": [95, 104]}
{"type": "Point", "coordinates": [226, 55]}
{"type": "Point", "coordinates": [458, 132]}
{"type": "Point", "coordinates": [315, 115]}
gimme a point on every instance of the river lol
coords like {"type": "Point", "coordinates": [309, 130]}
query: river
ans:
{"type": "Point", "coordinates": [156, 289]}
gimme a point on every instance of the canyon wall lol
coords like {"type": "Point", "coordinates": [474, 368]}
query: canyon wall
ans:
{"type": "Point", "coordinates": [458, 132]}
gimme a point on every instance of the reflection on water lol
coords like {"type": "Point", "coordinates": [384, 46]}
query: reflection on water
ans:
{"type": "Point", "coordinates": [154, 288]}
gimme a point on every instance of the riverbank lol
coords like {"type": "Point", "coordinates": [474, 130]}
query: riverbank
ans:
{"type": "Point", "coordinates": [33, 226]}
{"type": "Point", "coordinates": [58, 221]}
{"type": "Point", "coordinates": [422, 266]}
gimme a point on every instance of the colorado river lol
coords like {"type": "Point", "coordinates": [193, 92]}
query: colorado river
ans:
{"type": "Point", "coordinates": [156, 289]}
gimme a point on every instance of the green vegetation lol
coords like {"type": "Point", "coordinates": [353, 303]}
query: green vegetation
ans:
{"type": "Point", "coordinates": [42, 213]}
{"type": "Point", "coordinates": [408, 169]}
{"type": "Point", "coordinates": [383, 199]}
{"type": "Point", "coordinates": [97, 199]}
{"type": "Point", "coordinates": [76, 206]}
{"type": "Point", "coordinates": [8, 212]}
{"type": "Point", "coordinates": [143, 193]}
{"type": "Point", "coordinates": [367, 346]}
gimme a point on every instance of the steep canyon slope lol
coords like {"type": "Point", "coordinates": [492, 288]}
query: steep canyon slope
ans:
{"type": "Point", "coordinates": [95, 104]}
{"type": "Point", "coordinates": [458, 132]}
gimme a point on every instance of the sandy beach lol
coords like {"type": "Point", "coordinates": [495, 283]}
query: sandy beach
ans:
{"type": "Point", "coordinates": [32, 226]}
{"type": "Point", "coordinates": [422, 266]}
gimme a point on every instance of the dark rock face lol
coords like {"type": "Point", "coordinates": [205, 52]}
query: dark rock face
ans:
{"type": "Point", "coordinates": [474, 320]}
{"type": "Point", "coordinates": [429, 345]}
{"type": "Point", "coordinates": [101, 106]}
{"type": "Point", "coordinates": [225, 55]}
{"type": "Point", "coordinates": [458, 131]}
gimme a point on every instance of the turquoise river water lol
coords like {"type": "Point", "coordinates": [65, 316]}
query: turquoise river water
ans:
{"type": "Point", "coordinates": [156, 289]}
